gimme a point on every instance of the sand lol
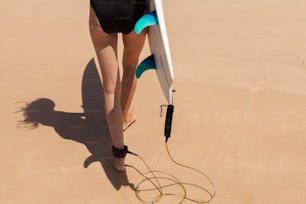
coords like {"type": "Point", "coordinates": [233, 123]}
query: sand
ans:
{"type": "Point", "coordinates": [240, 105]}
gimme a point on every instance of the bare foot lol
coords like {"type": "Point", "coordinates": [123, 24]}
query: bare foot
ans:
{"type": "Point", "coordinates": [129, 120]}
{"type": "Point", "coordinates": [119, 164]}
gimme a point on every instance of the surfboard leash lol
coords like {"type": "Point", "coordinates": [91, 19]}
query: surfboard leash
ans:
{"type": "Point", "coordinates": [152, 181]}
{"type": "Point", "coordinates": [155, 178]}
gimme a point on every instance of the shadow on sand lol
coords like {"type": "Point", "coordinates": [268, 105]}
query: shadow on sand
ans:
{"type": "Point", "coordinates": [89, 128]}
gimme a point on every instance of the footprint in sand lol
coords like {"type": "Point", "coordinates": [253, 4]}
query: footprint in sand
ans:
{"type": "Point", "coordinates": [257, 86]}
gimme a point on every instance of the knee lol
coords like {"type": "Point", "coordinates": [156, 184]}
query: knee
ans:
{"type": "Point", "coordinates": [111, 99]}
{"type": "Point", "coordinates": [109, 95]}
{"type": "Point", "coordinates": [109, 103]}
{"type": "Point", "coordinates": [131, 69]}
{"type": "Point", "coordinates": [130, 63]}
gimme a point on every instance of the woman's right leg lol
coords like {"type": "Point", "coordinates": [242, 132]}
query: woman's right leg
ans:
{"type": "Point", "coordinates": [106, 50]}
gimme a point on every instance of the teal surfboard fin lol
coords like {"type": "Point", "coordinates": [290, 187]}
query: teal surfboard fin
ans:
{"type": "Point", "coordinates": [150, 19]}
{"type": "Point", "coordinates": [146, 64]}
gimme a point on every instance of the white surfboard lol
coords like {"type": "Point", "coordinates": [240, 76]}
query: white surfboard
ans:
{"type": "Point", "coordinates": [161, 56]}
{"type": "Point", "coordinates": [159, 46]}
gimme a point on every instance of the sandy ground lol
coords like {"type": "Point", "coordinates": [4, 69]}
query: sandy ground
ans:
{"type": "Point", "coordinates": [240, 105]}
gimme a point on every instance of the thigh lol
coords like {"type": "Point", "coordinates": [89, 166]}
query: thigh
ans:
{"type": "Point", "coordinates": [133, 44]}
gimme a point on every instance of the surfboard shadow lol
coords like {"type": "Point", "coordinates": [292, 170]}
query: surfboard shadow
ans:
{"type": "Point", "coordinates": [88, 128]}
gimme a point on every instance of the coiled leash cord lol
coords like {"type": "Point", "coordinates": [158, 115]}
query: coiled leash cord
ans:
{"type": "Point", "coordinates": [154, 178]}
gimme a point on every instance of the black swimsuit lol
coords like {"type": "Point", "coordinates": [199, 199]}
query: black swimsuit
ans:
{"type": "Point", "coordinates": [118, 15]}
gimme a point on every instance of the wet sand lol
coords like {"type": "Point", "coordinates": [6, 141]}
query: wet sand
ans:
{"type": "Point", "coordinates": [240, 104]}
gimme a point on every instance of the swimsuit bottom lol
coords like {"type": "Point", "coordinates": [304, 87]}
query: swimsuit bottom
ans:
{"type": "Point", "coordinates": [118, 15]}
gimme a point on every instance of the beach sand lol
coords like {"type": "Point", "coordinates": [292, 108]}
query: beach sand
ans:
{"type": "Point", "coordinates": [240, 105]}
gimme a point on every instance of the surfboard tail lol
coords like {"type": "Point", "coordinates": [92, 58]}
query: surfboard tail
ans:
{"type": "Point", "coordinates": [160, 60]}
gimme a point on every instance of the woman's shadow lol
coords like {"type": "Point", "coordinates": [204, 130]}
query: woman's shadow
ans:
{"type": "Point", "coordinates": [89, 128]}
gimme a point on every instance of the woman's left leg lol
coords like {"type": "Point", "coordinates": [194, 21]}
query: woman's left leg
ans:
{"type": "Point", "coordinates": [133, 44]}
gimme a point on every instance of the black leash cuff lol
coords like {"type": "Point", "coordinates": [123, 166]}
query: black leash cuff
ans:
{"type": "Point", "coordinates": [121, 153]}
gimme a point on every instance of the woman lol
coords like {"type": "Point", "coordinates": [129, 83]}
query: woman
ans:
{"type": "Point", "coordinates": [107, 19]}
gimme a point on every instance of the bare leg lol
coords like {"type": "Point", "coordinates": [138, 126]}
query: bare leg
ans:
{"type": "Point", "coordinates": [133, 45]}
{"type": "Point", "coordinates": [106, 50]}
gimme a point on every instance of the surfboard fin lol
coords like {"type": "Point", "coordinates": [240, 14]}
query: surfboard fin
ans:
{"type": "Point", "coordinates": [150, 19]}
{"type": "Point", "coordinates": [146, 64]}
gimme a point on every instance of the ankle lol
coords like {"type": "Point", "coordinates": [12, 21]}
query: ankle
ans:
{"type": "Point", "coordinates": [120, 152]}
